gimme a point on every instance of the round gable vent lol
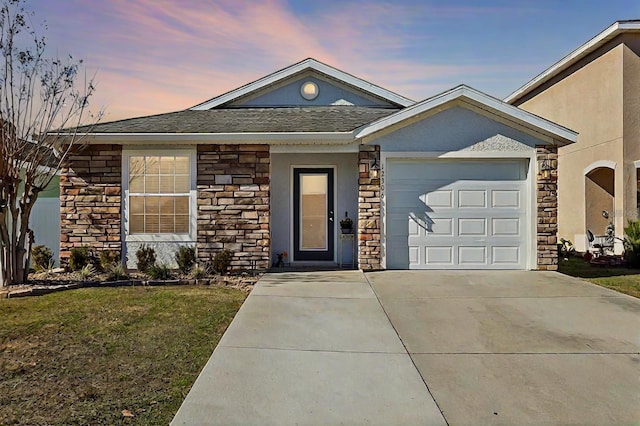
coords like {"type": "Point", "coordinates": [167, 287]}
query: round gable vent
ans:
{"type": "Point", "coordinates": [309, 90]}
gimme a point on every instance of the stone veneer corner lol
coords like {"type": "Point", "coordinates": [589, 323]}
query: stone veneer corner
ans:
{"type": "Point", "coordinates": [90, 200]}
{"type": "Point", "coordinates": [547, 210]}
{"type": "Point", "coordinates": [369, 221]}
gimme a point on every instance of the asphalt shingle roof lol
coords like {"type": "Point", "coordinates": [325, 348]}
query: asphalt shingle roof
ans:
{"type": "Point", "coordinates": [250, 120]}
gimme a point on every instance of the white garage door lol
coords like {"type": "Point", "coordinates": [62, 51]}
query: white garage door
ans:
{"type": "Point", "coordinates": [458, 214]}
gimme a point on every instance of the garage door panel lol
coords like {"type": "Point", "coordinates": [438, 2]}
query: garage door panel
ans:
{"type": "Point", "coordinates": [442, 227]}
{"type": "Point", "coordinates": [506, 198]}
{"type": "Point", "coordinates": [438, 198]}
{"type": "Point", "coordinates": [505, 255]}
{"type": "Point", "coordinates": [414, 229]}
{"type": "Point", "coordinates": [414, 255]}
{"type": "Point", "coordinates": [440, 221]}
{"type": "Point", "coordinates": [470, 255]}
{"type": "Point", "coordinates": [472, 198]}
{"type": "Point", "coordinates": [472, 227]}
{"type": "Point", "coordinates": [435, 255]}
{"type": "Point", "coordinates": [506, 226]}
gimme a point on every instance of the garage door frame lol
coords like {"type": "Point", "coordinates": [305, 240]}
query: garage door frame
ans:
{"type": "Point", "coordinates": [531, 234]}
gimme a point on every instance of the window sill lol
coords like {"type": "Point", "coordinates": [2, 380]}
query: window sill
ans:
{"type": "Point", "coordinates": [160, 238]}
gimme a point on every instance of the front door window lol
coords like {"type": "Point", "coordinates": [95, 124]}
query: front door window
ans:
{"type": "Point", "coordinates": [313, 211]}
{"type": "Point", "coordinates": [313, 214]}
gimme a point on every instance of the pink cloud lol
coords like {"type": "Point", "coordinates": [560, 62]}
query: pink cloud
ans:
{"type": "Point", "coordinates": [155, 56]}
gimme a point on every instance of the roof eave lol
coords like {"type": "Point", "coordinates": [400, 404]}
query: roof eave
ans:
{"type": "Point", "coordinates": [595, 43]}
{"type": "Point", "coordinates": [222, 138]}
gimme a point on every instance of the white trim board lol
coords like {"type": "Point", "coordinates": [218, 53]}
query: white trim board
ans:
{"type": "Point", "coordinates": [302, 148]}
{"type": "Point", "coordinates": [599, 164]}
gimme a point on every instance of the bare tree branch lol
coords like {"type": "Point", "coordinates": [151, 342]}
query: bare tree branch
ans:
{"type": "Point", "coordinates": [42, 104]}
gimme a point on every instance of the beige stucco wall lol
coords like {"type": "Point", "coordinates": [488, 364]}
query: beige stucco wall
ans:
{"type": "Point", "coordinates": [631, 93]}
{"type": "Point", "coordinates": [588, 100]}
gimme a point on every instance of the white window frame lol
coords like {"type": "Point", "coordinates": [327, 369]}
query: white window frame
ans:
{"type": "Point", "coordinates": [127, 153]}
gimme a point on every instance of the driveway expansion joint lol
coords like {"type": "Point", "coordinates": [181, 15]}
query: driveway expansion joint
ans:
{"type": "Point", "coordinates": [313, 350]}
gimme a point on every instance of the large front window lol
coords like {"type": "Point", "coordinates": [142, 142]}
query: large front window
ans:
{"type": "Point", "coordinates": [159, 194]}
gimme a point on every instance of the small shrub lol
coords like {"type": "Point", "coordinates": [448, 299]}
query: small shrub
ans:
{"type": "Point", "coordinates": [632, 243]}
{"type": "Point", "coordinates": [42, 257]}
{"type": "Point", "coordinates": [116, 272]}
{"type": "Point", "coordinates": [145, 258]}
{"type": "Point", "coordinates": [87, 271]}
{"type": "Point", "coordinates": [79, 258]}
{"type": "Point", "coordinates": [222, 261]}
{"type": "Point", "coordinates": [159, 272]}
{"type": "Point", "coordinates": [108, 258]}
{"type": "Point", "coordinates": [198, 273]}
{"type": "Point", "coordinates": [185, 258]}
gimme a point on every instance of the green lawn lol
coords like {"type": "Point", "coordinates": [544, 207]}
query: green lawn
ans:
{"type": "Point", "coordinates": [624, 280]}
{"type": "Point", "coordinates": [84, 356]}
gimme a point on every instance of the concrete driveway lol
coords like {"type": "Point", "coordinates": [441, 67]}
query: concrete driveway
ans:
{"type": "Point", "coordinates": [404, 347]}
{"type": "Point", "coordinates": [518, 347]}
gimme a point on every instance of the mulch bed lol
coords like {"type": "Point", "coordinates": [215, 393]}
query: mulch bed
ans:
{"type": "Point", "coordinates": [607, 260]}
{"type": "Point", "coordinates": [48, 282]}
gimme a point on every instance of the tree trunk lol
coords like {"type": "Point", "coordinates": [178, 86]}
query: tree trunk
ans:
{"type": "Point", "coordinates": [16, 239]}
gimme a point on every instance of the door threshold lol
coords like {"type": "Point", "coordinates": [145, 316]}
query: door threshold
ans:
{"type": "Point", "coordinates": [306, 267]}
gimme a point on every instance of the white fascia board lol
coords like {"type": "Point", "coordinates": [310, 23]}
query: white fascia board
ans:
{"type": "Point", "coordinates": [302, 148]}
{"type": "Point", "coordinates": [223, 138]}
{"type": "Point", "coordinates": [299, 67]}
{"type": "Point", "coordinates": [489, 103]}
{"type": "Point", "coordinates": [613, 31]}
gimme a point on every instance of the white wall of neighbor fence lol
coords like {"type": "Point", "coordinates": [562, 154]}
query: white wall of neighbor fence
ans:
{"type": "Point", "coordinates": [45, 219]}
{"type": "Point", "coordinates": [45, 222]}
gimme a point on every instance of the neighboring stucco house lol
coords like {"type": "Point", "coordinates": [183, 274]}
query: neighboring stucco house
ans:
{"type": "Point", "coordinates": [454, 181]}
{"type": "Point", "coordinates": [594, 90]}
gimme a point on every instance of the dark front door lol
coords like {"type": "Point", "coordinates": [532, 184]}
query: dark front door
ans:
{"type": "Point", "coordinates": [313, 221]}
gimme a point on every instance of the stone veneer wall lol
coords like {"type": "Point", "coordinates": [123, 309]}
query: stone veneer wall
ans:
{"type": "Point", "coordinates": [547, 209]}
{"type": "Point", "coordinates": [369, 222]}
{"type": "Point", "coordinates": [90, 200]}
{"type": "Point", "coordinates": [233, 204]}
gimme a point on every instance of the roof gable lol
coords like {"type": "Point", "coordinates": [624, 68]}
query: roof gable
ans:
{"type": "Point", "coordinates": [613, 31]}
{"type": "Point", "coordinates": [469, 98]}
{"type": "Point", "coordinates": [288, 93]}
{"type": "Point", "coordinates": [320, 70]}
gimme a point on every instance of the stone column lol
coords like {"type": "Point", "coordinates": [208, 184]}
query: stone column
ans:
{"type": "Point", "coordinates": [233, 204]}
{"type": "Point", "coordinates": [90, 200]}
{"type": "Point", "coordinates": [369, 222]}
{"type": "Point", "coordinates": [547, 210]}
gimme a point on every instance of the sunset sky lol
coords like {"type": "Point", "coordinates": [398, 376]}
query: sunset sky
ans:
{"type": "Point", "coordinates": [153, 56]}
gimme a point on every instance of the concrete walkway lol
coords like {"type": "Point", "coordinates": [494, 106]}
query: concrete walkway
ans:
{"type": "Point", "coordinates": [310, 348]}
